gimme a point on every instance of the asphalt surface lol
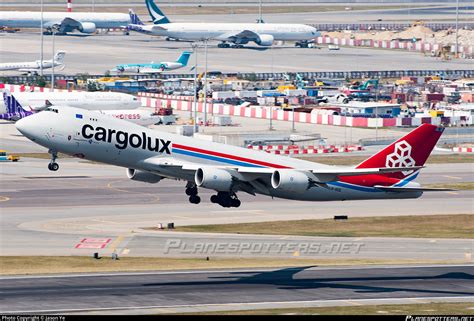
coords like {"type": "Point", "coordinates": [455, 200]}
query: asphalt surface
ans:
{"type": "Point", "coordinates": [84, 54]}
{"type": "Point", "coordinates": [176, 291]}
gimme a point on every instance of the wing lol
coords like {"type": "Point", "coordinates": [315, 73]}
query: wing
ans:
{"type": "Point", "coordinates": [234, 36]}
{"type": "Point", "coordinates": [147, 70]}
{"type": "Point", "coordinates": [253, 179]}
{"type": "Point", "coordinates": [65, 25]}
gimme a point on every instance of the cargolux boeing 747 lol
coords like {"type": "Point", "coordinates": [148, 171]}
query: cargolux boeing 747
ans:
{"type": "Point", "coordinates": [150, 156]}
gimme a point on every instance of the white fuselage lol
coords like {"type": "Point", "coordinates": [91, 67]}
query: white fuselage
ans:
{"type": "Point", "coordinates": [79, 99]}
{"type": "Point", "coordinates": [218, 31]}
{"type": "Point", "coordinates": [32, 19]}
{"type": "Point", "coordinates": [136, 116]}
{"type": "Point", "coordinates": [105, 139]}
{"type": "Point", "coordinates": [28, 66]}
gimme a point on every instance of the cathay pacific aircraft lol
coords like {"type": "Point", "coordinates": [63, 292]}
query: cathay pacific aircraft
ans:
{"type": "Point", "coordinates": [150, 155]}
{"type": "Point", "coordinates": [263, 34]}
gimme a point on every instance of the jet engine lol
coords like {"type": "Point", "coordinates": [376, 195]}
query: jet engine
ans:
{"type": "Point", "coordinates": [290, 181]}
{"type": "Point", "coordinates": [142, 176]}
{"type": "Point", "coordinates": [265, 40]}
{"type": "Point", "coordinates": [87, 27]}
{"type": "Point", "coordinates": [217, 179]}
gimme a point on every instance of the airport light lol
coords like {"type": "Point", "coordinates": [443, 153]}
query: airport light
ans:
{"type": "Point", "coordinates": [205, 82]}
{"type": "Point", "coordinates": [52, 71]}
{"type": "Point", "coordinates": [457, 27]}
{"type": "Point", "coordinates": [41, 37]}
{"type": "Point", "coordinates": [195, 51]}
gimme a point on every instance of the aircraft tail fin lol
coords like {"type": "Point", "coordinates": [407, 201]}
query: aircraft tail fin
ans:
{"type": "Point", "coordinates": [412, 149]}
{"type": "Point", "coordinates": [184, 57]}
{"type": "Point", "coordinates": [134, 18]}
{"type": "Point", "coordinates": [59, 56]}
{"type": "Point", "coordinates": [12, 105]}
{"type": "Point", "coordinates": [156, 14]}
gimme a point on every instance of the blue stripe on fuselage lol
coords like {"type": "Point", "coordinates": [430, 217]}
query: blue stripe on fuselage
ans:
{"type": "Point", "coordinates": [214, 158]}
{"type": "Point", "coordinates": [355, 187]}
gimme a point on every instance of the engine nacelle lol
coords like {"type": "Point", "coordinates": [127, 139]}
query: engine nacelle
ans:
{"type": "Point", "coordinates": [213, 178]}
{"type": "Point", "coordinates": [265, 40]}
{"type": "Point", "coordinates": [142, 176]}
{"type": "Point", "coordinates": [290, 181]}
{"type": "Point", "coordinates": [87, 27]}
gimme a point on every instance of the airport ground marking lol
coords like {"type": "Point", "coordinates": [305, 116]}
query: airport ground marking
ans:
{"type": "Point", "coordinates": [453, 177]}
{"type": "Point", "coordinates": [4, 199]}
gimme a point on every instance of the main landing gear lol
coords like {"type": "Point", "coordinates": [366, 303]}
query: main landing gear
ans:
{"type": "Point", "coordinates": [226, 199]}
{"type": "Point", "coordinates": [53, 166]}
{"type": "Point", "coordinates": [192, 192]}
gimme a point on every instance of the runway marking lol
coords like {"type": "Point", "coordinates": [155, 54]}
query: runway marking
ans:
{"type": "Point", "coordinates": [241, 211]}
{"type": "Point", "coordinates": [155, 199]}
{"type": "Point", "coordinates": [452, 193]}
{"type": "Point", "coordinates": [116, 242]}
{"type": "Point", "coordinates": [4, 199]}
{"type": "Point", "coordinates": [257, 305]}
{"type": "Point", "coordinates": [453, 177]}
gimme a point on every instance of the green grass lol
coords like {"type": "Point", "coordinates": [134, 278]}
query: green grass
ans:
{"type": "Point", "coordinates": [456, 186]}
{"type": "Point", "coordinates": [422, 226]}
{"type": "Point", "coordinates": [390, 309]}
{"type": "Point", "coordinates": [14, 265]}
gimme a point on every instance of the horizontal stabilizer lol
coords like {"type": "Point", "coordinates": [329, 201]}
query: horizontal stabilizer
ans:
{"type": "Point", "coordinates": [412, 189]}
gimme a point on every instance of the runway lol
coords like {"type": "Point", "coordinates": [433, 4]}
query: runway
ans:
{"type": "Point", "coordinates": [48, 213]}
{"type": "Point", "coordinates": [168, 292]}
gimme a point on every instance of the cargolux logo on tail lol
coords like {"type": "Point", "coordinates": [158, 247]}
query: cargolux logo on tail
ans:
{"type": "Point", "coordinates": [401, 157]}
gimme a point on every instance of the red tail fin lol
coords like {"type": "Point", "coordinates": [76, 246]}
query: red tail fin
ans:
{"type": "Point", "coordinates": [412, 149]}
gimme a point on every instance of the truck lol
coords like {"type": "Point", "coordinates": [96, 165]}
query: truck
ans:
{"type": "Point", "coordinates": [6, 157]}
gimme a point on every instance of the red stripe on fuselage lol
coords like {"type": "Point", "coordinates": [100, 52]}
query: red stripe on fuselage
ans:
{"type": "Point", "coordinates": [237, 158]}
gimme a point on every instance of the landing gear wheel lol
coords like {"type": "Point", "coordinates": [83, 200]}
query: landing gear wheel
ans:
{"type": "Point", "coordinates": [190, 191]}
{"type": "Point", "coordinates": [53, 167]}
{"type": "Point", "coordinates": [235, 202]}
{"type": "Point", "coordinates": [194, 199]}
{"type": "Point", "coordinates": [214, 199]}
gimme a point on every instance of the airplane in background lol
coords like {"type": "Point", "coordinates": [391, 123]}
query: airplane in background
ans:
{"type": "Point", "coordinates": [64, 22]}
{"type": "Point", "coordinates": [13, 111]}
{"type": "Point", "coordinates": [263, 34]}
{"type": "Point", "coordinates": [35, 101]}
{"type": "Point", "coordinates": [150, 156]}
{"type": "Point", "coordinates": [33, 67]}
{"type": "Point", "coordinates": [154, 67]}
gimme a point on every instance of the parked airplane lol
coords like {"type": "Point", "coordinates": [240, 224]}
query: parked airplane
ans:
{"type": "Point", "coordinates": [155, 67]}
{"type": "Point", "coordinates": [263, 34]}
{"type": "Point", "coordinates": [35, 66]}
{"type": "Point", "coordinates": [35, 101]}
{"type": "Point", "coordinates": [14, 111]}
{"type": "Point", "coordinates": [150, 156]}
{"type": "Point", "coordinates": [64, 22]}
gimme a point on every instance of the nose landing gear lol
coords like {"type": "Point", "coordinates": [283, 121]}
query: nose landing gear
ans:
{"type": "Point", "coordinates": [226, 199]}
{"type": "Point", "coordinates": [53, 166]}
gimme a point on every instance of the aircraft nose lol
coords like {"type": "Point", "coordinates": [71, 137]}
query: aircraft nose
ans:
{"type": "Point", "coordinates": [26, 126]}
